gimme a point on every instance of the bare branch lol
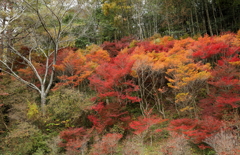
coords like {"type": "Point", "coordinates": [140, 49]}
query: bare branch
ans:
{"type": "Point", "coordinates": [12, 73]}
{"type": "Point", "coordinates": [28, 62]}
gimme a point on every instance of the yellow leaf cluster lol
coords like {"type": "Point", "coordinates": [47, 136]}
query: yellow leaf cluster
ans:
{"type": "Point", "coordinates": [187, 74]}
{"type": "Point", "coordinates": [164, 40]}
{"type": "Point", "coordinates": [187, 108]}
{"type": "Point", "coordinates": [227, 38]}
{"type": "Point", "coordinates": [98, 56]}
{"type": "Point", "coordinates": [106, 7]}
{"type": "Point", "coordinates": [115, 6]}
{"type": "Point", "coordinates": [236, 63]}
{"type": "Point", "coordinates": [32, 110]}
{"type": "Point", "coordinates": [237, 40]}
{"type": "Point", "coordinates": [182, 97]}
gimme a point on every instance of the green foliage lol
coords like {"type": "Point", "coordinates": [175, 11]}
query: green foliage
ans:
{"type": "Point", "coordinates": [184, 36]}
{"type": "Point", "coordinates": [82, 42]}
{"type": "Point", "coordinates": [197, 151]}
{"type": "Point", "coordinates": [13, 88]}
{"type": "Point", "coordinates": [65, 107]}
{"type": "Point", "coordinates": [25, 139]}
{"type": "Point", "coordinates": [117, 129]}
{"type": "Point", "coordinates": [16, 102]}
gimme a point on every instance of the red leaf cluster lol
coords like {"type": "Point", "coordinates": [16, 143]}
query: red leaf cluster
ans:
{"type": "Point", "coordinates": [75, 138]}
{"type": "Point", "coordinates": [110, 79]}
{"type": "Point", "coordinates": [115, 47]}
{"type": "Point", "coordinates": [224, 92]}
{"type": "Point", "coordinates": [196, 130]}
{"type": "Point", "coordinates": [108, 115]}
{"type": "Point", "coordinates": [149, 47]}
{"type": "Point", "coordinates": [211, 49]}
{"type": "Point", "coordinates": [144, 123]}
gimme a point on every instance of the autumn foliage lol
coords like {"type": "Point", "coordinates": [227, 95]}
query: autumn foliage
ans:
{"type": "Point", "coordinates": [120, 77]}
{"type": "Point", "coordinates": [143, 124]}
{"type": "Point", "coordinates": [197, 79]}
{"type": "Point", "coordinates": [196, 130]}
{"type": "Point", "coordinates": [75, 139]}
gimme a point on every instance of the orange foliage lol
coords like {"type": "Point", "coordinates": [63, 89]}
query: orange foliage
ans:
{"type": "Point", "coordinates": [98, 57]}
{"type": "Point", "coordinates": [75, 68]}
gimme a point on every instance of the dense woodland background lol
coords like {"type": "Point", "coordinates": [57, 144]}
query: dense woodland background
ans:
{"type": "Point", "coordinates": [119, 77]}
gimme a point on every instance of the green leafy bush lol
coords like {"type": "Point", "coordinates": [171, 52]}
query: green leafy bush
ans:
{"type": "Point", "coordinates": [25, 139]}
{"type": "Point", "coordinates": [65, 107]}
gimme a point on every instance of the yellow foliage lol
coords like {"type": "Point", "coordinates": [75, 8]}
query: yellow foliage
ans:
{"type": "Point", "coordinates": [98, 56]}
{"type": "Point", "coordinates": [237, 40]}
{"type": "Point", "coordinates": [184, 43]}
{"type": "Point", "coordinates": [115, 7]}
{"type": "Point", "coordinates": [106, 7]}
{"type": "Point", "coordinates": [238, 34]}
{"type": "Point", "coordinates": [67, 42]}
{"type": "Point", "coordinates": [124, 51]}
{"type": "Point", "coordinates": [236, 63]}
{"type": "Point", "coordinates": [227, 38]}
{"type": "Point", "coordinates": [185, 75]}
{"type": "Point", "coordinates": [134, 74]}
{"type": "Point", "coordinates": [139, 50]}
{"type": "Point", "coordinates": [32, 110]}
{"type": "Point", "coordinates": [164, 40]}
{"type": "Point", "coordinates": [91, 48]}
{"type": "Point", "coordinates": [182, 97]}
{"type": "Point", "coordinates": [187, 108]}
{"type": "Point", "coordinates": [158, 66]}
{"type": "Point", "coordinates": [133, 43]}
{"type": "Point", "coordinates": [142, 60]}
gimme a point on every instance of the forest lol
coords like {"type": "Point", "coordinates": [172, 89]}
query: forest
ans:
{"type": "Point", "coordinates": [119, 77]}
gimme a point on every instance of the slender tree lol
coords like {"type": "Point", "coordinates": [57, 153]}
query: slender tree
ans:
{"type": "Point", "coordinates": [47, 26]}
{"type": "Point", "coordinates": [10, 12]}
{"type": "Point", "coordinates": [208, 17]}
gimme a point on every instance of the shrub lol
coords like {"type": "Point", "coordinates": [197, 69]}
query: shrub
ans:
{"type": "Point", "coordinates": [177, 145]}
{"type": "Point", "coordinates": [196, 130]}
{"type": "Point", "coordinates": [75, 140]}
{"type": "Point", "coordinates": [25, 139]}
{"type": "Point", "coordinates": [224, 143]}
{"type": "Point", "coordinates": [107, 145]}
{"type": "Point", "coordinates": [132, 146]}
{"type": "Point", "coordinates": [65, 107]}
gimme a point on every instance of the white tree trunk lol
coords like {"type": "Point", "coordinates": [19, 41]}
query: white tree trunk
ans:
{"type": "Point", "coordinates": [43, 103]}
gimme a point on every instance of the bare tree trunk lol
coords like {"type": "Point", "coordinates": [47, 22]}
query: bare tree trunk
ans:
{"type": "Point", "coordinates": [2, 35]}
{"type": "Point", "coordinates": [2, 42]}
{"type": "Point", "coordinates": [43, 102]}
{"type": "Point", "coordinates": [192, 23]}
{"type": "Point", "coordinates": [196, 16]}
{"type": "Point", "coordinates": [140, 25]}
{"type": "Point", "coordinates": [215, 20]}
{"type": "Point", "coordinates": [203, 18]}
{"type": "Point", "coordinates": [167, 18]}
{"type": "Point", "coordinates": [234, 23]}
{"type": "Point", "coordinates": [208, 18]}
